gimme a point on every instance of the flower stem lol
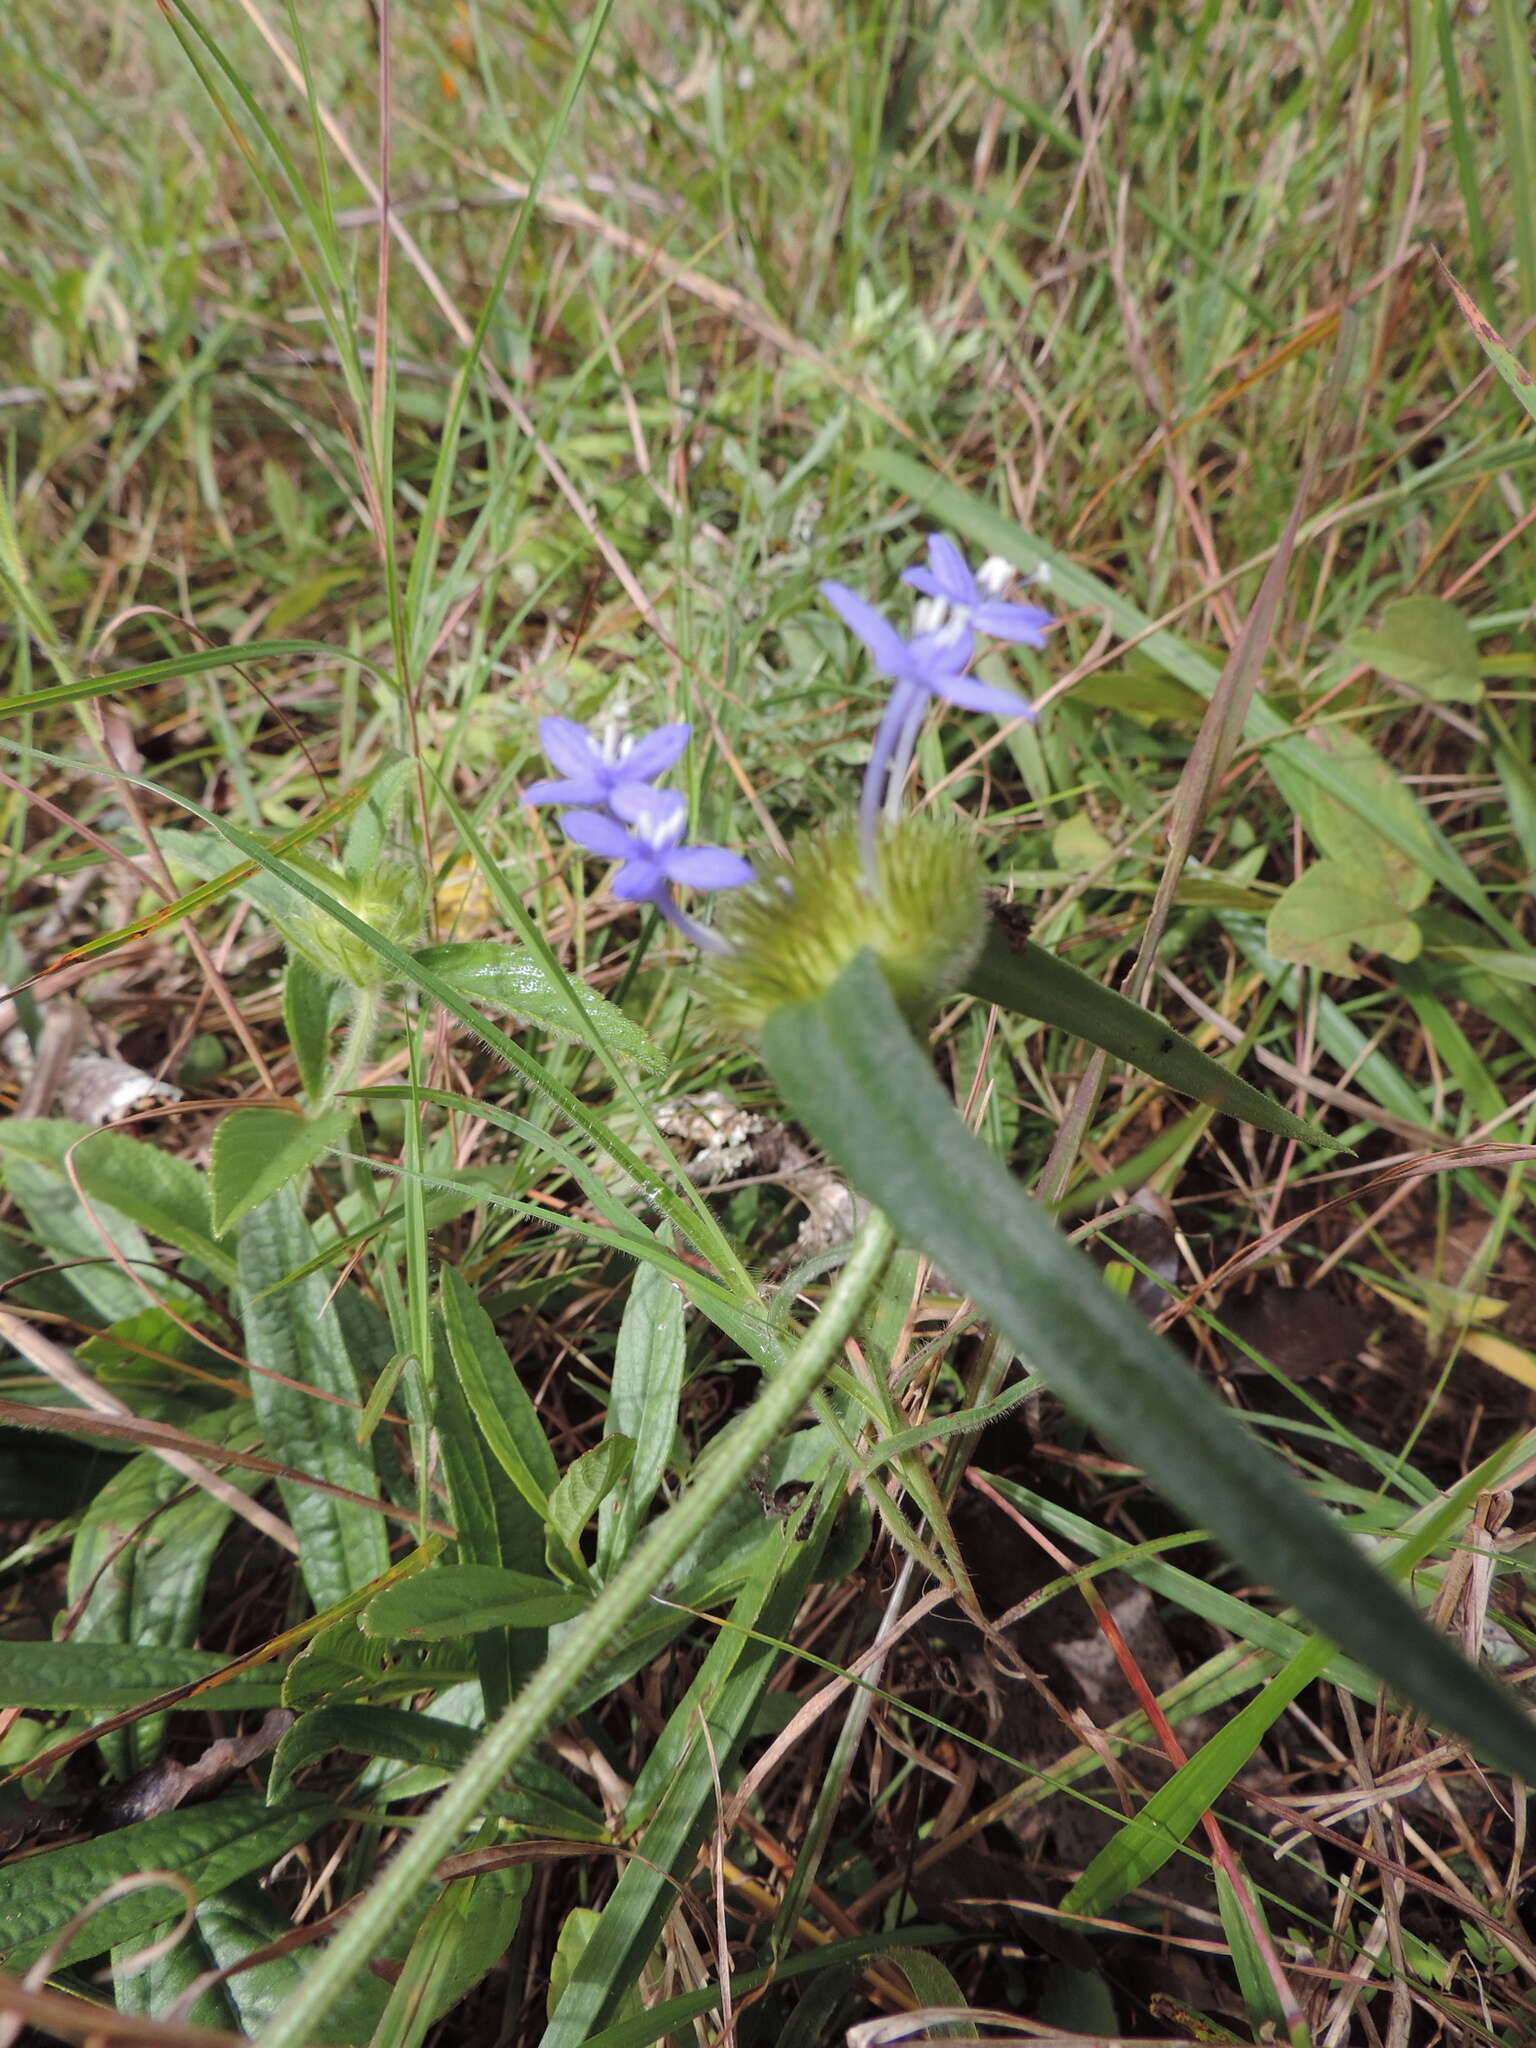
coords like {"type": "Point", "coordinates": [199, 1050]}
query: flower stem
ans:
{"type": "Point", "coordinates": [720, 1474]}
{"type": "Point", "coordinates": [897, 716]}
{"type": "Point", "coordinates": [697, 934]}
{"type": "Point", "coordinates": [365, 1021]}
{"type": "Point", "coordinates": [901, 756]}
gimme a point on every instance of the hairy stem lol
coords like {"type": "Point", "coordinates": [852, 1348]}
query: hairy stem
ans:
{"type": "Point", "coordinates": [365, 1021]}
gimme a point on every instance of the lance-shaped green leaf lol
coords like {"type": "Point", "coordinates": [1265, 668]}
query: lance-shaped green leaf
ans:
{"type": "Point", "coordinates": [1019, 975]}
{"type": "Point", "coordinates": [850, 1070]}
{"type": "Point", "coordinates": [209, 1846]}
{"type": "Point", "coordinates": [307, 1396]}
{"type": "Point", "coordinates": [507, 977]}
{"type": "Point", "coordinates": [102, 1678]}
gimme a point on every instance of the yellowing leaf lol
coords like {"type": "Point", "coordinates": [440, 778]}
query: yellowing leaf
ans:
{"type": "Point", "coordinates": [1513, 1360]}
{"type": "Point", "coordinates": [1079, 845]}
{"type": "Point", "coordinates": [1426, 644]}
{"type": "Point", "coordinates": [1343, 835]}
{"type": "Point", "coordinates": [1142, 694]}
{"type": "Point", "coordinates": [1333, 908]}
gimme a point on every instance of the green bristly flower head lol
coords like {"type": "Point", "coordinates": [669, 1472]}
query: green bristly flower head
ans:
{"type": "Point", "coordinates": [391, 896]}
{"type": "Point", "coordinates": [922, 915]}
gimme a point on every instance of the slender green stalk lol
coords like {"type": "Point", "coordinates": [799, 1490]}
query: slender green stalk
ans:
{"type": "Point", "coordinates": [354, 1050]}
{"type": "Point", "coordinates": [721, 1471]}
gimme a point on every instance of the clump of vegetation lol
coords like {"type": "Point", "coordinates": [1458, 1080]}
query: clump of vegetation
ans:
{"type": "Point", "coordinates": [711, 1331]}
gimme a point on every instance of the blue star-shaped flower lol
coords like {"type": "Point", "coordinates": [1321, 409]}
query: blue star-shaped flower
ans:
{"type": "Point", "coordinates": [933, 663]}
{"type": "Point", "coordinates": [646, 830]}
{"type": "Point", "coordinates": [977, 599]}
{"type": "Point", "coordinates": [592, 770]}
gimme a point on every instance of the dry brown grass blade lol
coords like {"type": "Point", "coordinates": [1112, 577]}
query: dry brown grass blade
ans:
{"type": "Point", "coordinates": [921, 2023]}
{"type": "Point", "coordinates": [1222, 1854]}
{"type": "Point", "coordinates": [731, 303]}
{"type": "Point", "coordinates": [52, 1359]}
{"type": "Point", "coordinates": [78, 962]}
{"type": "Point", "coordinates": [1455, 1159]}
{"type": "Point", "coordinates": [1457, 1901]}
{"type": "Point", "coordinates": [122, 1426]}
{"type": "Point", "coordinates": [78, 2019]}
{"type": "Point", "coordinates": [461, 329]}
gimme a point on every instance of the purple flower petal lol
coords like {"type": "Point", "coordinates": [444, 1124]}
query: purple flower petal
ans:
{"type": "Point", "coordinates": [630, 801]}
{"type": "Point", "coordinates": [925, 581]}
{"type": "Point", "coordinates": [707, 867]}
{"type": "Point", "coordinates": [1026, 624]}
{"type": "Point", "coordinates": [933, 656]}
{"type": "Point", "coordinates": [949, 571]}
{"type": "Point", "coordinates": [640, 880]}
{"type": "Point", "coordinates": [586, 790]}
{"type": "Point", "coordinates": [872, 627]}
{"type": "Point", "coordinates": [599, 833]}
{"type": "Point", "coordinates": [968, 695]}
{"type": "Point", "coordinates": [571, 747]}
{"type": "Point", "coordinates": [655, 753]}
{"type": "Point", "coordinates": [659, 816]}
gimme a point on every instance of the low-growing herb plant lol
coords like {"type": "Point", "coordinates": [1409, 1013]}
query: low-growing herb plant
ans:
{"type": "Point", "coordinates": [837, 960]}
{"type": "Point", "coordinates": [328, 1370]}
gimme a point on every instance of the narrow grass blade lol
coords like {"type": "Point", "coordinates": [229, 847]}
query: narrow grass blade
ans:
{"type": "Point", "coordinates": [1515, 375]}
{"type": "Point", "coordinates": [686, 1210]}
{"type": "Point", "coordinates": [1515, 100]}
{"type": "Point", "coordinates": [850, 1070]}
{"type": "Point", "coordinates": [1019, 975]}
{"type": "Point", "coordinates": [197, 661]}
{"type": "Point", "coordinates": [1160, 1828]}
{"type": "Point", "coordinates": [728, 1686]}
{"type": "Point", "coordinates": [1264, 2009]}
{"type": "Point", "coordinates": [663, 2022]}
{"type": "Point", "coordinates": [508, 1420]}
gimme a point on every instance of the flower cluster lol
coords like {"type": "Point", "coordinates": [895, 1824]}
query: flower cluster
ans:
{"type": "Point", "coordinates": [954, 606]}
{"type": "Point", "coordinates": [911, 892]}
{"type": "Point", "coordinates": [618, 813]}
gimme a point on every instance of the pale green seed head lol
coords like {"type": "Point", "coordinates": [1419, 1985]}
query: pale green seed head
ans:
{"type": "Point", "coordinates": [795, 930]}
